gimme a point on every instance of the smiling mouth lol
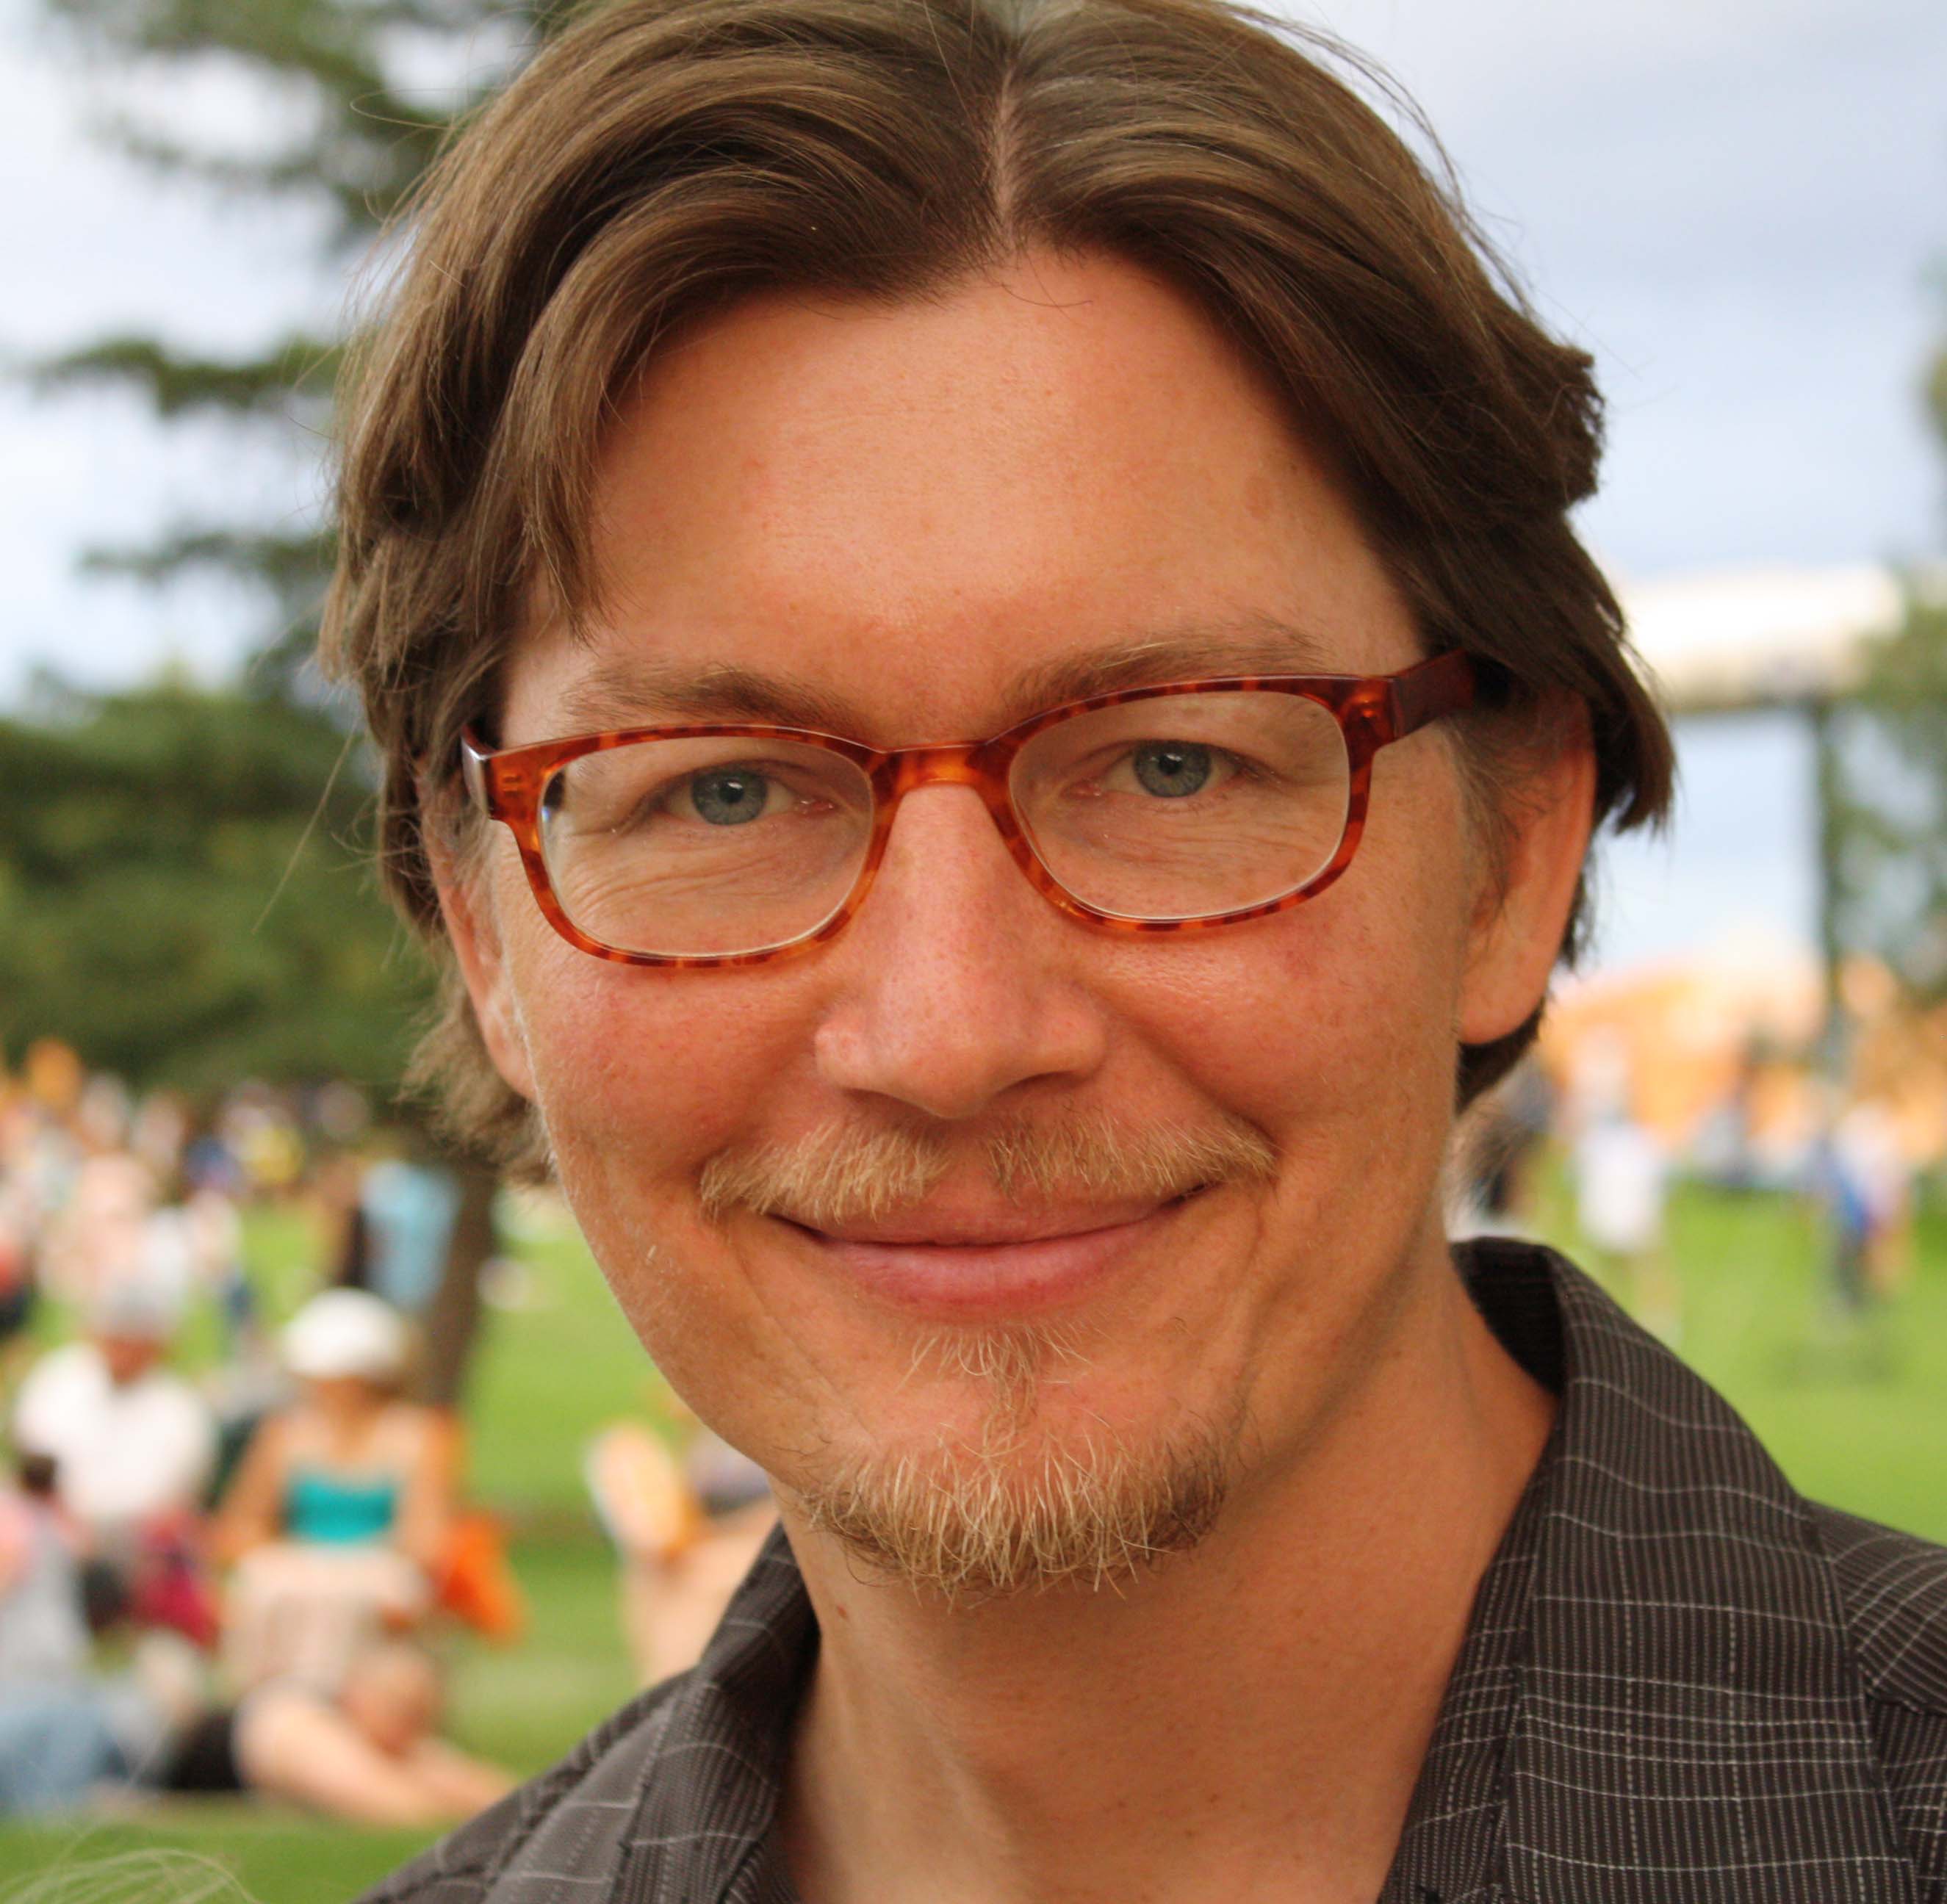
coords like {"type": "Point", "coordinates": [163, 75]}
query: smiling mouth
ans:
{"type": "Point", "coordinates": [992, 1230]}
{"type": "Point", "coordinates": [991, 1265]}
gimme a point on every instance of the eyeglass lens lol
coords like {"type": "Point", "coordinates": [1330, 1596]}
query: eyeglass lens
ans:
{"type": "Point", "coordinates": [1174, 807]}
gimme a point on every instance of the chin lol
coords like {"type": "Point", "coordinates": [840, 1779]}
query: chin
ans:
{"type": "Point", "coordinates": [1004, 1481]}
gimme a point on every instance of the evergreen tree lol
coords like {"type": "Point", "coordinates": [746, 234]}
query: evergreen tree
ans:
{"type": "Point", "coordinates": [367, 91]}
{"type": "Point", "coordinates": [1893, 809]}
{"type": "Point", "coordinates": [171, 906]}
{"type": "Point", "coordinates": [177, 901]}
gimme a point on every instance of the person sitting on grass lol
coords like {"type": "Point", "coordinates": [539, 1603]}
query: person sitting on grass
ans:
{"type": "Point", "coordinates": [370, 1754]}
{"type": "Point", "coordinates": [133, 1443]}
{"type": "Point", "coordinates": [338, 1518]}
{"type": "Point", "coordinates": [67, 1729]}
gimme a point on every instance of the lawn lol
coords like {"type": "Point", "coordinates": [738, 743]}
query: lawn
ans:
{"type": "Point", "coordinates": [1856, 1414]}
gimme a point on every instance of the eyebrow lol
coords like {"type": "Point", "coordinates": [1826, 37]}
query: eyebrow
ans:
{"type": "Point", "coordinates": [641, 690]}
{"type": "Point", "coordinates": [1259, 646]}
{"type": "Point", "coordinates": [637, 690]}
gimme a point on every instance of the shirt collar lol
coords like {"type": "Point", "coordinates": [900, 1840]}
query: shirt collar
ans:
{"type": "Point", "coordinates": [704, 1831]}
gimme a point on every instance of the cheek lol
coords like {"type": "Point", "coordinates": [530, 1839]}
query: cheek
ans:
{"type": "Point", "coordinates": [641, 1075]}
{"type": "Point", "coordinates": [1332, 1028]}
{"type": "Point", "coordinates": [651, 1068]}
{"type": "Point", "coordinates": [638, 1080]}
{"type": "Point", "coordinates": [1322, 1013]}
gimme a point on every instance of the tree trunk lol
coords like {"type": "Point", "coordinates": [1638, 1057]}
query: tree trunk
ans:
{"type": "Point", "coordinates": [453, 1317]}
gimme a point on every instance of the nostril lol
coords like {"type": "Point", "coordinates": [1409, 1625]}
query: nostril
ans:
{"type": "Point", "coordinates": [943, 1007]}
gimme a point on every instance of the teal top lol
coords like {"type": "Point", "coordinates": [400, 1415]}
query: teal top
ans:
{"type": "Point", "coordinates": [336, 1510]}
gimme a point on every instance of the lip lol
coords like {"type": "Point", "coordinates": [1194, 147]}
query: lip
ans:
{"type": "Point", "coordinates": [990, 1267]}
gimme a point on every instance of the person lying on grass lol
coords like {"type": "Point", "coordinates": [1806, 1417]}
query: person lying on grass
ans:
{"type": "Point", "coordinates": [371, 1755]}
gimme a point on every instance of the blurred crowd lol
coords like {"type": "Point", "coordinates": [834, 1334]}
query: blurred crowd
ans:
{"type": "Point", "coordinates": [237, 1582]}
{"type": "Point", "coordinates": [235, 1546]}
{"type": "Point", "coordinates": [1773, 1124]}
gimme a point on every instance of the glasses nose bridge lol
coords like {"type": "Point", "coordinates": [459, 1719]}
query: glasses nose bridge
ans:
{"type": "Point", "coordinates": [971, 764]}
{"type": "Point", "coordinates": [955, 764]}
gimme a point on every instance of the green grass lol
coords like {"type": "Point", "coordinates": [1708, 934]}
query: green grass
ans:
{"type": "Point", "coordinates": [212, 1851]}
{"type": "Point", "coordinates": [1855, 1413]}
{"type": "Point", "coordinates": [1855, 1410]}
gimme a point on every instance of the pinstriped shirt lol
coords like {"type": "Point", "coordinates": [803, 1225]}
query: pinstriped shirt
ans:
{"type": "Point", "coordinates": [1681, 1681]}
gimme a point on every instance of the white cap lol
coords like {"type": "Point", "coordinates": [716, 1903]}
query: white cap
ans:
{"type": "Point", "coordinates": [132, 1306]}
{"type": "Point", "coordinates": [345, 1332]}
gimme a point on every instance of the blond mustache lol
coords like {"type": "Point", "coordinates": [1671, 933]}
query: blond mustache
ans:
{"type": "Point", "coordinates": [842, 1174]}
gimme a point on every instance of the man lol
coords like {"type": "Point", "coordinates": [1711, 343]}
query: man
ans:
{"type": "Point", "coordinates": [133, 1445]}
{"type": "Point", "coordinates": [1003, 570]}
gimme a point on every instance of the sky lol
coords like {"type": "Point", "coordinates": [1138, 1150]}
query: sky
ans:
{"type": "Point", "coordinates": [1739, 206]}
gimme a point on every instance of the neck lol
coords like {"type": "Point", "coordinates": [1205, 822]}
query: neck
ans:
{"type": "Point", "coordinates": [1247, 1719]}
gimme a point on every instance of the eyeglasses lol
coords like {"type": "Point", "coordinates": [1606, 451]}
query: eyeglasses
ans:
{"type": "Point", "coordinates": [1162, 809]}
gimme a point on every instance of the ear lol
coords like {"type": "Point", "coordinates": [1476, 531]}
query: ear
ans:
{"type": "Point", "coordinates": [466, 905]}
{"type": "Point", "coordinates": [1521, 911]}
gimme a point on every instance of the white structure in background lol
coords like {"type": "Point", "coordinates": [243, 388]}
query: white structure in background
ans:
{"type": "Point", "coordinates": [1728, 641]}
{"type": "Point", "coordinates": [1741, 641]}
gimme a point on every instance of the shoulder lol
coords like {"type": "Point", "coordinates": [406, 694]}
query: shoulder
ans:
{"type": "Point", "coordinates": [1893, 1588]}
{"type": "Point", "coordinates": [275, 1442]}
{"type": "Point", "coordinates": [1892, 1591]}
{"type": "Point", "coordinates": [63, 1380]}
{"type": "Point", "coordinates": [613, 1761]}
{"type": "Point", "coordinates": [72, 1363]}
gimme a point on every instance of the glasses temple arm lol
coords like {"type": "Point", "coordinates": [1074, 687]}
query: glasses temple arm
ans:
{"type": "Point", "coordinates": [1442, 685]}
{"type": "Point", "coordinates": [473, 759]}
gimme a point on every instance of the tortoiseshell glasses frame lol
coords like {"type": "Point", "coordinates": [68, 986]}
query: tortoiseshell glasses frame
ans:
{"type": "Point", "coordinates": [1372, 711]}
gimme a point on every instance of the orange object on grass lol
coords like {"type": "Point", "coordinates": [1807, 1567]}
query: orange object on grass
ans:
{"type": "Point", "coordinates": [477, 1584]}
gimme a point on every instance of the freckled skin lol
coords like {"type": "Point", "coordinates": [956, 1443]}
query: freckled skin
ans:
{"type": "Point", "coordinates": [908, 504]}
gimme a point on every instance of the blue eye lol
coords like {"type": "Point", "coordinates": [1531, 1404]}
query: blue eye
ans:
{"type": "Point", "coordinates": [730, 796]}
{"type": "Point", "coordinates": [1171, 768]}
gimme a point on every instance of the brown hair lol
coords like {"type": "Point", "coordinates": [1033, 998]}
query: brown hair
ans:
{"type": "Point", "coordinates": [664, 158]}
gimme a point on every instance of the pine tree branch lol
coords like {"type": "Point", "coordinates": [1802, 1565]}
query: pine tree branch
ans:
{"type": "Point", "coordinates": [370, 152]}
{"type": "Point", "coordinates": [290, 567]}
{"type": "Point", "coordinates": [290, 382]}
{"type": "Point", "coordinates": [327, 45]}
{"type": "Point", "coordinates": [364, 141]}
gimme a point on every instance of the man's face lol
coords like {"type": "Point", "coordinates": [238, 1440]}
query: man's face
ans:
{"type": "Point", "coordinates": [913, 510]}
{"type": "Point", "coordinates": [127, 1358]}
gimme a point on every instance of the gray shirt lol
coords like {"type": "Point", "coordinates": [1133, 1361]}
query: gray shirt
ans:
{"type": "Point", "coordinates": [43, 1637]}
{"type": "Point", "coordinates": [1681, 1681]}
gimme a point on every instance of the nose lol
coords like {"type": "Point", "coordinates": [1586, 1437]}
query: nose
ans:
{"type": "Point", "coordinates": [957, 982]}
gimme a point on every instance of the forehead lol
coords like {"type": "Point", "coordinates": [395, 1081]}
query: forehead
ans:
{"type": "Point", "coordinates": [922, 520]}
